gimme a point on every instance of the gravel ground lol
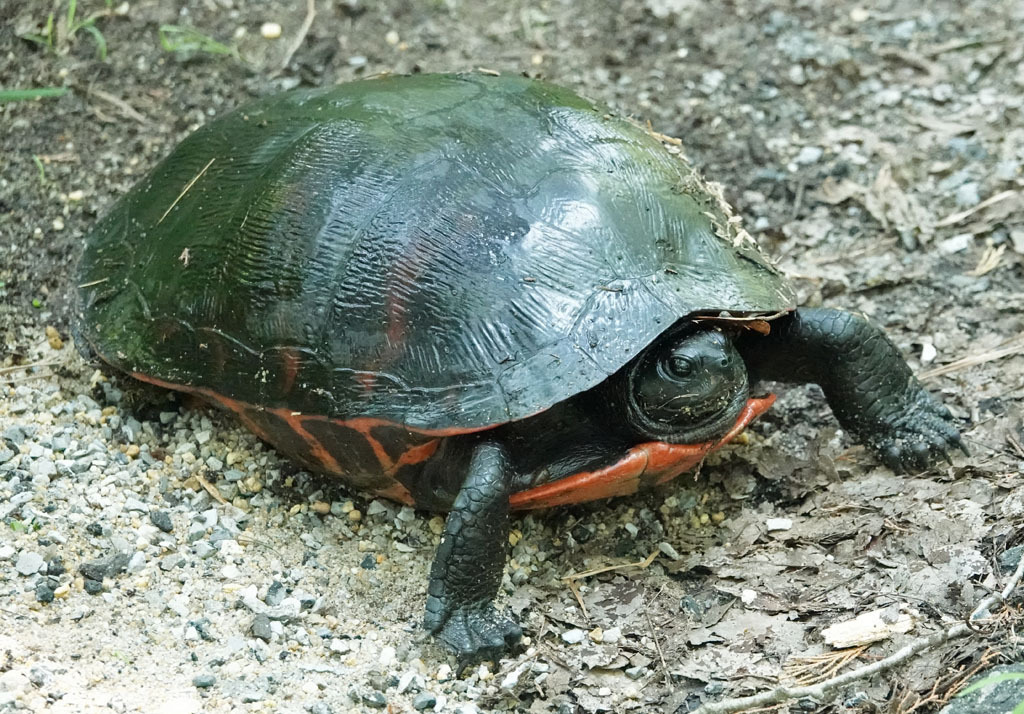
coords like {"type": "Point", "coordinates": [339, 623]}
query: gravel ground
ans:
{"type": "Point", "coordinates": [155, 557]}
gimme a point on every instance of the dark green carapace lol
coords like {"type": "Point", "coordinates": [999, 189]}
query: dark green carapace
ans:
{"type": "Point", "coordinates": [447, 251]}
{"type": "Point", "coordinates": [471, 293]}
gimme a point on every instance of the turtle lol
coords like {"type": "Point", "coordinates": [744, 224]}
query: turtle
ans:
{"type": "Point", "coordinates": [472, 293]}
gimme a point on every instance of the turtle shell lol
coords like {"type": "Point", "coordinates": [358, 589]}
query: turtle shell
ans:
{"type": "Point", "coordinates": [444, 252]}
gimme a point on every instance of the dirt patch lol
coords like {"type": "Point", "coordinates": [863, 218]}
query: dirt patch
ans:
{"type": "Point", "coordinates": [876, 149]}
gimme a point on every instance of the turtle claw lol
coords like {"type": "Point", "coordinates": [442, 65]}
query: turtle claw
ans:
{"type": "Point", "coordinates": [475, 632]}
{"type": "Point", "coordinates": [917, 436]}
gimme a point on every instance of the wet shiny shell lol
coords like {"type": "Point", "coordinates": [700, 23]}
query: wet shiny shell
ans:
{"type": "Point", "coordinates": [446, 252]}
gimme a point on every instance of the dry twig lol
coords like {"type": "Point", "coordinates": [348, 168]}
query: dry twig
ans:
{"type": "Point", "coordinates": [124, 107]}
{"type": "Point", "coordinates": [211, 489]}
{"type": "Point", "coordinates": [301, 36]}
{"type": "Point", "coordinates": [622, 566]}
{"type": "Point", "coordinates": [955, 218]}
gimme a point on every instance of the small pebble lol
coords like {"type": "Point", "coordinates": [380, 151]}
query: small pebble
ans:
{"type": "Point", "coordinates": [809, 155]}
{"type": "Point", "coordinates": [634, 673]}
{"type": "Point", "coordinates": [778, 524]}
{"type": "Point", "coordinates": [44, 593]}
{"type": "Point", "coordinates": [275, 594]}
{"type": "Point", "coordinates": [967, 195]}
{"type": "Point", "coordinates": [424, 700]}
{"type": "Point", "coordinates": [260, 628]}
{"type": "Point", "coordinates": [204, 681]}
{"type": "Point", "coordinates": [162, 520]}
{"type": "Point", "coordinates": [574, 636]}
{"type": "Point", "coordinates": [387, 656]}
{"type": "Point", "coordinates": [137, 562]}
{"type": "Point", "coordinates": [375, 700]}
{"type": "Point", "coordinates": [270, 30]}
{"type": "Point", "coordinates": [29, 563]}
{"type": "Point", "coordinates": [411, 681]}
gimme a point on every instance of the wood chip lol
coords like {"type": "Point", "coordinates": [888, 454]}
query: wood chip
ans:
{"type": "Point", "coordinates": [869, 627]}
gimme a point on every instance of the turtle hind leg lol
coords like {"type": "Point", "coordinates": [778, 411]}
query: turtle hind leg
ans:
{"type": "Point", "coordinates": [867, 383]}
{"type": "Point", "coordinates": [469, 563]}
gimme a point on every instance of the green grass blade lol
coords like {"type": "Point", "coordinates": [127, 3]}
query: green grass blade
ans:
{"type": "Point", "coordinates": [101, 41]}
{"type": "Point", "coordinates": [993, 679]}
{"type": "Point", "coordinates": [21, 95]}
{"type": "Point", "coordinates": [175, 38]}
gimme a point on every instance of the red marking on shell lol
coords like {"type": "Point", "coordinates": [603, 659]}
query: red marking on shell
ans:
{"type": "Point", "coordinates": [652, 462]}
{"type": "Point", "coordinates": [417, 454]}
{"type": "Point", "coordinates": [290, 362]}
{"type": "Point", "coordinates": [367, 381]}
{"type": "Point", "coordinates": [360, 424]}
{"type": "Point", "coordinates": [323, 460]}
{"type": "Point", "coordinates": [387, 465]}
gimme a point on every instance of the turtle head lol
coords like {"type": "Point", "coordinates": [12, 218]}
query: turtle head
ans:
{"type": "Point", "coordinates": [687, 388]}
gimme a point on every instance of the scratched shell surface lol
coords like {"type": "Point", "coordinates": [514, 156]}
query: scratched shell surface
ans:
{"type": "Point", "coordinates": [442, 251]}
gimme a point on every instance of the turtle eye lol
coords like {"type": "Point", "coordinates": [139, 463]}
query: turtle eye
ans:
{"type": "Point", "coordinates": [681, 367]}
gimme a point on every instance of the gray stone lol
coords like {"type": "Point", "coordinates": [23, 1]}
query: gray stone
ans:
{"type": "Point", "coordinates": [204, 681]}
{"type": "Point", "coordinates": [424, 700]}
{"type": "Point", "coordinates": [260, 628]}
{"type": "Point", "coordinates": [133, 504]}
{"type": "Point", "coordinates": [105, 567]}
{"type": "Point", "coordinates": [43, 467]}
{"type": "Point", "coordinates": [574, 636]}
{"type": "Point", "coordinates": [15, 435]}
{"type": "Point", "coordinates": [162, 520]}
{"type": "Point", "coordinates": [204, 549]}
{"type": "Point", "coordinates": [29, 563]}
{"type": "Point", "coordinates": [44, 591]}
{"type": "Point", "coordinates": [172, 561]}
{"type": "Point", "coordinates": [809, 155]}
{"type": "Point", "coordinates": [374, 700]}
{"type": "Point", "coordinates": [137, 562]}
{"type": "Point", "coordinates": [275, 594]}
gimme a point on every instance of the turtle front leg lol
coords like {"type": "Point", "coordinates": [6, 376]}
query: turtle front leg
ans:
{"type": "Point", "coordinates": [866, 381]}
{"type": "Point", "coordinates": [469, 563]}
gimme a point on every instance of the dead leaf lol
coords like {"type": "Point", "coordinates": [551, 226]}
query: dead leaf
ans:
{"type": "Point", "coordinates": [989, 260]}
{"type": "Point", "coordinates": [890, 204]}
{"type": "Point", "coordinates": [885, 200]}
{"type": "Point", "coordinates": [835, 192]}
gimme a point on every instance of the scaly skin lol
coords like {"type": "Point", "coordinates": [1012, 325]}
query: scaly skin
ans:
{"type": "Point", "coordinates": [468, 565]}
{"type": "Point", "coordinates": [868, 385]}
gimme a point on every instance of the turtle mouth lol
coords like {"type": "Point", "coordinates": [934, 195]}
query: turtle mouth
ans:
{"type": "Point", "coordinates": [701, 424]}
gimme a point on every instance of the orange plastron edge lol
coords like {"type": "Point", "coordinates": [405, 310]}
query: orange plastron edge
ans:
{"type": "Point", "coordinates": [647, 464]}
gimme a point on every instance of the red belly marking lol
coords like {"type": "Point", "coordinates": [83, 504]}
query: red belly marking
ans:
{"type": "Point", "coordinates": [651, 463]}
